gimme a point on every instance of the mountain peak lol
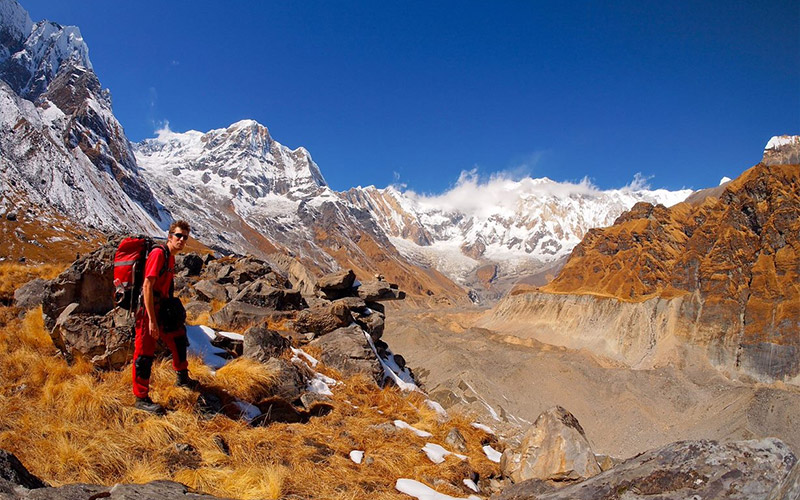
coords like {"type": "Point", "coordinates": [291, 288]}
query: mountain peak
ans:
{"type": "Point", "coordinates": [782, 150]}
{"type": "Point", "coordinates": [33, 54]}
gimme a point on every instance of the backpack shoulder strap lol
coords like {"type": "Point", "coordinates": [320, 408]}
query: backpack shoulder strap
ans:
{"type": "Point", "coordinates": [164, 267]}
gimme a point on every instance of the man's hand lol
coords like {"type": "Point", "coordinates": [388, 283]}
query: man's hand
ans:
{"type": "Point", "coordinates": [153, 329]}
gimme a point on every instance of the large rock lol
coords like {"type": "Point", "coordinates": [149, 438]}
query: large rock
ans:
{"type": "Point", "coordinates": [707, 470]}
{"type": "Point", "coordinates": [239, 316]}
{"type": "Point", "coordinates": [11, 469]}
{"type": "Point", "coordinates": [322, 319]}
{"type": "Point", "coordinates": [88, 282]}
{"type": "Point", "coordinates": [375, 291]}
{"type": "Point", "coordinates": [554, 448]}
{"type": "Point", "coordinates": [208, 290]}
{"type": "Point", "coordinates": [347, 350]}
{"type": "Point", "coordinates": [262, 294]}
{"type": "Point", "coordinates": [342, 280]}
{"type": "Point", "coordinates": [31, 294]}
{"type": "Point", "coordinates": [106, 341]}
{"type": "Point", "coordinates": [189, 264]}
{"type": "Point", "coordinates": [290, 381]}
{"type": "Point", "coordinates": [261, 344]}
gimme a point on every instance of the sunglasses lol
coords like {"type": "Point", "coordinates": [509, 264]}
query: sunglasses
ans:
{"type": "Point", "coordinates": [180, 236]}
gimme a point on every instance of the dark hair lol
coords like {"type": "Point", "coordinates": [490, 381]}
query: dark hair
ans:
{"type": "Point", "coordinates": [180, 224]}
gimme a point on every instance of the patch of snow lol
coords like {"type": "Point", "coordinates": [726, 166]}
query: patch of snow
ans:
{"type": "Point", "coordinates": [232, 335]}
{"type": "Point", "coordinates": [437, 453]}
{"type": "Point", "coordinates": [249, 411]}
{"type": "Point", "coordinates": [782, 140]}
{"type": "Point", "coordinates": [320, 384]}
{"type": "Point", "coordinates": [492, 454]}
{"type": "Point", "coordinates": [200, 337]}
{"type": "Point", "coordinates": [310, 359]}
{"type": "Point", "coordinates": [404, 425]}
{"type": "Point", "coordinates": [400, 377]}
{"type": "Point", "coordinates": [436, 407]}
{"type": "Point", "coordinates": [469, 483]}
{"type": "Point", "coordinates": [423, 492]}
{"type": "Point", "coordinates": [357, 456]}
{"type": "Point", "coordinates": [724, 180]}
{"type": "Point", "coordinates": [482, 427]}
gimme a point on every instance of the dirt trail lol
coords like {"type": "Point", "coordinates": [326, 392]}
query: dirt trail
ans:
{"type": "Point", "coordinates": [623, 411]}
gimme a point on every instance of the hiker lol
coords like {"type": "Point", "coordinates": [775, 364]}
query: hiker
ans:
{"type": "Point", "coordinates": [158, 320]}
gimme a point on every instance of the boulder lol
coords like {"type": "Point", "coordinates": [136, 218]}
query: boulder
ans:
{"type": "Point", "coordinates": [373, 323]}
{"type": "Point", "coordinates": [322, 319]}
{"type": "Point", "coordinates": [554, 448]}
{"type": "Point", "coordinates": [708, 470]}
{"type": "Point", "coordinates": [291, 383]}
{"type": "Point", "coordinates": [301, 278]}
{"type": "Point", "coordinates": [88, 282]}
{"type": "Point", "coordinates": [262, 294]}
{"type": "Point", "coordinates": [107, 341]}
{"type": "Point", "coordinates": [375, 291]}
{"type": "Point", "coordinates": [190, 264]}
{"type": "Point", "coordinates": [261, 343]}
{"type": "Point", "coordinates": [238, 316]}
{"type": "Point", "coordinates": [355, 304]}
{"type": "Point", "coordinates": [11, 469]}
{"type": "Point", "coordinates": [196, 308]}
{"type": "Point", "coordinates": [347, 350]}
{"type": "Point", "coordinates": [31, 294]}
{"type": "Point", "coordinates": [336, 285]}
{"type": "Point", "coordinates": [208, 290]}
{"type": "Point", "coordinates": [342, 280]}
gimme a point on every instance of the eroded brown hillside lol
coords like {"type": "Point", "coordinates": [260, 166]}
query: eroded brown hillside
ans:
{"type": "Point", "coordinates": [740, 251]}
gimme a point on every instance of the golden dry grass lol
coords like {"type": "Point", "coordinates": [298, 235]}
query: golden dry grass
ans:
{"type": "Point", "coordinates": [13, 275]}
{"type": "Point", "coordinates": [71, 423]}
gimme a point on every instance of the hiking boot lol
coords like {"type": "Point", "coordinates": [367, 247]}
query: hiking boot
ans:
{"type": "Point", "coordinates": [184, 380]}
{"type": "Point", "coordinates": [147, 404]}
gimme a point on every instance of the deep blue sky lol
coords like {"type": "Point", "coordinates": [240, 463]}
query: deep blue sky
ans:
{"type": "Point", "coordinates": [416, 92]}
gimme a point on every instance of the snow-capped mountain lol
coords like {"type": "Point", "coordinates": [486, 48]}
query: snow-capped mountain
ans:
{"type": "Point", "coordinates": [512, 223]}
{"type": "Point", "coordinates": [61, 143]}
{"type": "Point", "coordinates": [32, 54]}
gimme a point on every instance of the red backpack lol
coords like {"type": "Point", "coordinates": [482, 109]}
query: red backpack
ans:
{"type": "Point", "coordinates": [129, 263]}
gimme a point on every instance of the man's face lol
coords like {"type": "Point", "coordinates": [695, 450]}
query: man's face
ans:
{"type": "Point", "coordinates": [177, 240]}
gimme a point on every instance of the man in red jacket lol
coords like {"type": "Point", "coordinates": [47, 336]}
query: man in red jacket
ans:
{"type": "Point", "coordinates": [159, 272]}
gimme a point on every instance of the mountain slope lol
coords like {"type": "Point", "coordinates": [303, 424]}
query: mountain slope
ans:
{"type": "Point", "coordinates": [61, 144]}
{"type": "Point", "coordinates": [719, 271]}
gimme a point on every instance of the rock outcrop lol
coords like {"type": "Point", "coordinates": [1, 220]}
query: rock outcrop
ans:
{"type": "Point", "coordinates": [743, 470]}
{"type": "Point", "coordinates": [555, 448]}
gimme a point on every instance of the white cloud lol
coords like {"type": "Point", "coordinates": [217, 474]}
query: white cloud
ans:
{"type": "Point", "coordinates": [639, 183]}
{"type": "Point", "coordinates": [472, 195]}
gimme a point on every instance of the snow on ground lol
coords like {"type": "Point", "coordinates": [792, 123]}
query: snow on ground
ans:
{"type": "Point", "coordinates": [357, 456]}
{"type": "Point", "coordinates": [301, 353]}
{"type": "Point", "coordinates": [469, 483]}
{"type": "Point", "coordinates": [404, 425]}
{"type": "Point", "coordinates": [437, 453]}
{"type": "Point", "coordinates": [200, 337]}
{"type": "Point", "coordinates": [482, 427]}
{"type": "Point", "coordinates": [492, 454]}
{"type": "Point", "coordinates": [422, 492]}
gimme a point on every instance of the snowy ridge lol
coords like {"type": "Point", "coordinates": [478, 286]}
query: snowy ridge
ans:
{"type": "Point", "coordinates": [40, 170]}
{"type": "Point", "coordinates": [15, 26]}
{"type": "Point", "coordinates": [33, 54]}
{"type": "Point", "coordinates": [503, 220]}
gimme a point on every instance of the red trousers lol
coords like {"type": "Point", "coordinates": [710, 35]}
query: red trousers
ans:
{"type": "Point", "coordinates": [145, 348]}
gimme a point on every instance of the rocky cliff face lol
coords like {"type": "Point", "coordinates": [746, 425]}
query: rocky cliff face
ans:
{"type": "Point", "coordinates": [719, 271]}
{"type": "Point", "coordinates": [62, 145]}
